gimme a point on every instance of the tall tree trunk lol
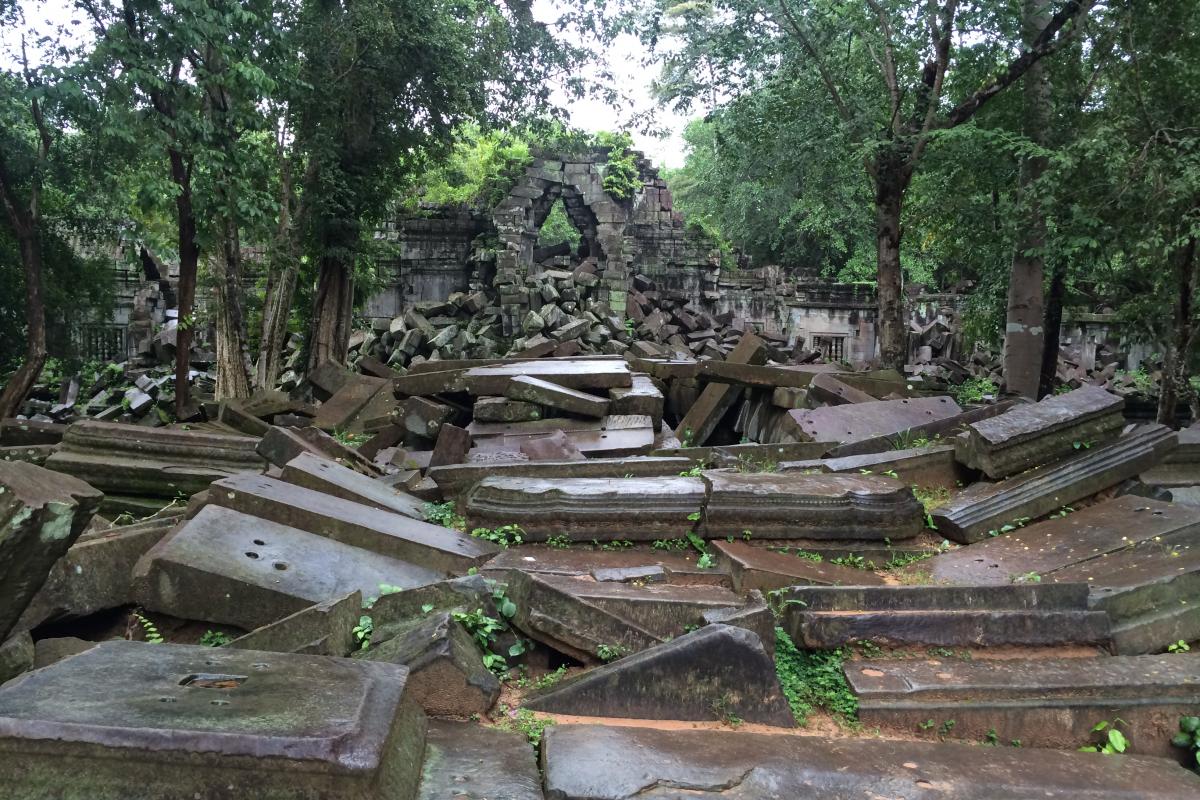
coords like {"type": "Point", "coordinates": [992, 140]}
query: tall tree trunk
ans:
{"type": "Point", "coordinates": [332, 309]}
{"type": "Point", "coordinates": [283, 269]}
{"type": "Point", "coordinates": [35, 324]}
{"type": "Point", "coordinates": [1055, 299]}
{"type": "Point", "coordinates": [189, 259]}
{"type": "Point", "coordinates": [1178, 357]}
{"type": "Point", "coordinates": [1023, 333]}
{"type": "Point", "coordinates": [890, 183]}
{"type": "Point", "coordinates": [233, 354]}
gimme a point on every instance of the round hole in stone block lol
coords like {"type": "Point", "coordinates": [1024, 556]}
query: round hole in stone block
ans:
{"type": "Point", "coordinates": [166, 699]}
{"type": "Point", "coordinates": [260, 665]}
{"type": "Point", "coordinates": [925, 784]}
{"type": "Point", "coordinates": [219, 702]}
{"type": "Point", "coordinates": [251, 554]}
{"type": "Point", "coordinates": [279, 565]}
{"type": "Point", "coordinates": [259, 542]}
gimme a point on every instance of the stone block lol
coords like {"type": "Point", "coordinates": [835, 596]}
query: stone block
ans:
{"type": "Point", "coordinates": [423, 417]}
{"type": "Point", "coordinates": [984, 507]}
{"type": "Point", "coordinates": [324, 629]}
{"type": "Point", "coordinates": [1040, 433]}
{"type": "Point", "coordinates": [42, 513]}
{"type": "Point", "coordinates": [857, 421]}
{"type": "Point", "coordinates": [551, 395]}
{"type": "Point", "coordinates": [467, 761]}
{"type": "Point", "coordinates": [501, 409]}
{"type": "Point", "coordinates": [759, 568]}
{"type": "Point", "coordinates": [552, 447]}
{"type": "Point", "coordinates": [454, 479]}
{"type": "Point", "coordinates": [594, 373]}
{"type": "Point", "coordinates": [280, 445]}
{"type": "Point", "coordinates": [593, 762]}
{"type": "Point", "coordinates": [925, 467]}
{"type": "Point", "coordinates": [234, 569]}
{"type": "Point", "coordinates": [827, 389]}
{"type": "Point", "coordinates": [610, 437]}
{"type": "Point", "coordinates": [791, 506]}
{"type": "Point", "coordinates": [51, 651]}
{"type": "Point", "coordinates": [643, 397]}
{"type": "Point", "coordinates": [17, 655]}
{"type": "Point", "coordinates": [714, 673]}
{"type": "Point", "coordinates": [329, 477]}
{"type": "Point", "coordinates": [446, 675]}
{"type": "Point", "coordinates": [187, 722]}
{"type": "Point", "coordinates": [430, 546]}
{"type": "Point", "coordinates": [1052, 702]}
{"type": "Point", "coordinates": [453, 444]}
{"type": "Point", "coordinates": [587, 508]}
{"type": "Point", "coordinates": [717, 398]}
{"type": "Point", "coordinates": [944, 429]}
{"type": "Point", "coordinates": [336, 413]}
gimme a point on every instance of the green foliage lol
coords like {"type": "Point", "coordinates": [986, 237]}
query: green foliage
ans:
{"type": "Point", "coordinates": [484, 629]}
{"type": "Point", "coordinates": [524, 721]}
{"type": "Point", "coordinates": [974, 390]}
{"type": "Point", "coordinates": [215, 639]}
{"type": "Point", "coordinates": [1178, 647]}
{"type": "Point", "coordinates": [1189, 739]}
{"type": "Point", "coordinates": [621, 175]}
{"type": "Point", "coordinates": [670, 544]}
{"type": "Point", "coordinates": [362, 632]}
{"type": "Point", "coordinates": [149, 629]}
{"type": "Point", "coordinates": [505, 536]}
{"type": "Point", "coordinates": [352, 440]}
{"type": "Point", "coordinates": [559, 542]}
{"type": "Point", "coordinates": [610, 652]}
{"type": "Point", "coordinates": [813, 679]}
{"type": "Point", "coordinates": [550, 679]}
{"type": "Point", "coordinates": [479, 170]}
{"type": "Point", "coordinates": [1110, 740]}
{"type": "Point", "coordinates": [444, 514]}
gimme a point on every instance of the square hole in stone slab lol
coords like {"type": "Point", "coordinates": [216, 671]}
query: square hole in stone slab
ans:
{"type": "Point", "coordinates": [210, 680]}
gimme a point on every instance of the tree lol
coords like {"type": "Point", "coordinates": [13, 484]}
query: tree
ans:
{"type": "Point", "coordinates": [893, 79]}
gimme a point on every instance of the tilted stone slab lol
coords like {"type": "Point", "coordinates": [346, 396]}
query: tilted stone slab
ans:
{"type": "Point", "coordinates": [677, 559]}
{"type": "Point", "coordinates": [1149, 592]}
{"type": "Point", "coordinates": [564, 621]}
{"type": "Point", "coordinates": [338, 411]}
{"type": "Point", "coordinates": [227, 567]}
{"type": "Point", "coordinates": [393, 611]}
{"type": "Point", "coordinates": [593, 762]}
{"type": "Point", "coordinates": [322, 475]}
{"type": "Point", "coordinates": [467, 761]}
{"type": "Point", "coordinates": [576, 374]}
{"type": "Point", "coordinates": [430, 546]}
{"type": "Point", "coordinates": [1181, 467]}
{"type": "Point", "coordinates": [856, 421]}
{"type": "Point", "coordinates": [753, 455]}
{"type": "Point", "coordinates": [1040, 433]}
{"type": "Point", "coordinates": [984, 507]}
{"type": "Point", "coordinates": [154, 462]}
{"type": "Point", "coordinates": [446, 675]}
{"type": "Point", "coordinates": [551, 395]}
{"type": "Point", "coordinates": [975, 616]}
{"type": "Point", "coordinates": [96, 573]}
{"type": "Point", "coordinates": [717, 398]}
{"type": "Point", "coordinates": [1050, 546]}
{"type": "Point", "coordinates": [1041, 702]}
{"type": "Point", "coordinates": [280, 445]}
{"type": "Point", "coordinates": [713, 673]}
{"type": "Point", "coordinates": [501, 409]}
{"type": "Point", "coordinates": [642, 398]}
{"type": "Point", "coordinates": [939, 430]}
{"type": "Point", "coordinates": [610, 437]}
{"type": "Point", "coordinates": [324, 629]}
{"type": "Point", "coordinates": [795, 506]}
{"type": "Point", "coordinates": [829, 390]}
{"type": "Point", "coordinates": [755, 616]}
{"type": "Point", "coordinates": [185, 722]}
{"type": "Point", "coordinates": [605, 509]}
{"type": "Point", "coordinates": [919, 466]}
{"type": "Point", "coordinates": [759, 568]}
{"type": "Point", "coordinates": [42, 513]}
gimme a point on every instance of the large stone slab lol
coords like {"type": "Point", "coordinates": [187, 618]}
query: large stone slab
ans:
{"type": "Point", "coordinates": [467, 761]}
{"type": "Point", "coordinates": [795, 506]}
{"type": "Point", "coordinates": [939, 429]}
{"type": "Point", "coordinates": [759, 568]}
{"type": "Point", "coordinates": [337, 413]}
{"type": "Point", "coordinates": [604, 509]}
{"type": "Point", "coordinates": [926, 467]}
{"type": "Point", "coordinates": [574, 374]}
{"type": "Point", "coordinates": [560, 619]}
{"type": "Point", "coordinates": [610, 437]}
{"type": "Point", "coordinates": [231, 568]}
{"type": "Point", "coordinates": [186, 722]}
{"type": "Point", "coordinates": [857, 421]}
{"type": "Point", "coordinates": [1048, 547]}
{"type": "Point", "coordinates": [446, 675]}
{"type": "Point", "coordinates": [96, 573]}
{"type": "Point", "coordinates": [975, 616]}
{"type": "Point", "coordinates": [280, 445]}
{"type": "Point", "coordinates": [642, 398]}
{"type": "Point", "coordinates": [717, 398]}
{"type": "Point", "coordinates": [1181, 467]}
{"type": "Point", "coordinates": [153, 462]}
{"type": "Point", "coordinates": [429, 546]}
{"type": "Point", "coordinates": [1042, 703]}
{"type": "Point", "coordinates": [972, 514]}
{"type": "Point", "coordinates": [592, 762]}
{"type": "Point", "coordinates": [829, 390]}
{"type": "Point", "coordinates": [550, 395]}
{"type": "Point", "coordinates": [42, 513]}
{"type": "Point", "coordinates": [718, 672]}
{"type": "Point", "coordinates": [324, 629]}
{"type": "Point", "coordinates": [1040, 433]}
{"type": "Point", "coordinates": [322, 475]}
{"type": "Point", "coordinates": [675, 561]}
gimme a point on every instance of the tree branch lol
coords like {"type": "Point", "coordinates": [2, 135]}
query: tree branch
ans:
{"type": "Point", "coordinates": [889, 59]}
{"type": "Point", "coordinates": [826, 76]}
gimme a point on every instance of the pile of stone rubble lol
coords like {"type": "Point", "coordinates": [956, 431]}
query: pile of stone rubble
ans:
{"type": "Point", "coordinates": [386, 584]}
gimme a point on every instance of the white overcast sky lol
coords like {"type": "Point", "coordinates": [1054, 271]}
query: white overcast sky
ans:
{"type": "Point", "coordinates": [625, 60]}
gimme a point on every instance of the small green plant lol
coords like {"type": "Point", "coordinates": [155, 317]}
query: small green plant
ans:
{"type": "Point", "coordinates": [1189, 738]}
{"type": "Point", "coordinates": [149, 629]}
{"type": "Point", "coordinates": [559, 542]}
{"type": "Point", "coordinates": [670, 544]}
{"type": "Point", "coordinates": [1178, 647]}
{"type": "Point", "coordinates": [525, 721]}
{"type": "Point", "coordinates": [852, 560]}
{"type": "Point", "coordinates": [616, 544]}
{"type": "Point", "coordinates": [215, 639]}
{"type": "Point", "coordinates": [1062, 512]}
{"type": "Point", "coordinates": [1109, 739]}
{"type": "Point", "coordinates": [610, 652]}
{"type": "Point", "coordinates": [722, 708]}
{"type": "Point", "coordinates": [1082, 445]}
{"type": "Point", "coordinates": [813, 679]}
{"type": "Point", "coordinates": [352, 440]}
{"type": "Point", "coordinates": [1027, 577]}
{"type": "Point", "coordinates": [808, 556]}
{"type": "Point", "coordinates": [926, 725]}
{"type": "Point", "coordinates": [689, 440]}
{"type": "Point", "coordinates": [974, 390]}
{"type": "Point", "coordinates": [868, 649]}
{"type": "Point", "coordinates": [694, 516]}
{"type": "Point", "coordinates": [706, 561]}
{"type": "Point", "coordinates": [362, 632]}
{"type": "Point", "coordinates": [945, 728]}
{"type": "Point", "coordinates": [550, 678]}
{"type": "Point", "coordinates": [991, 738]}
{"type": "Point", "coordinates": [444, 514]}
{"type": "Point", "coordinates": [505, 536]}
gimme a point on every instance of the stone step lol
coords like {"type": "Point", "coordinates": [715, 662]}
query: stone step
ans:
{"type": "Point", "coordinates": [1047, 597]}
{"type": "Point", "coordinates": [985, 507]}
{"type": "Point", "coordinates": [592, 762]}
{"type": "Point", "coordinates": [429, 546]}
{"type": "Point", "coordinates": [825, 629]}
{"type": "Point", "coordinates": [715, 673]}
{"type": "Point", "coordinates": [1041, 703]}
{"type": "Point", "coordinates": [173, 722]}
{"type": "Point", "coordinates": [759, 568]}
{"type": "Point", "coordinates": [551, 395]}
{"type": "Point", "coordinates": [231, 568]}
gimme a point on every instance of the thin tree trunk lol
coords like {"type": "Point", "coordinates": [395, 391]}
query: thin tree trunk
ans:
{"type": "Point", "coordinates": [1024, 329]}
{"type": "Point", "coordinates": [189, 258]}
{"type": "Point", "coordinates": [23, 380]}
{"type": "Point", "coordinates": [332, 310]}
{"type": "Point", "coordinates": [1055, 299]}
{"type": "Point", "coordinates": [283, 270]}
{"type": "Point", "coordinates": [233, 354]}
{"type": "Point", "coordinates": [889, 197]}
{"type": "Point", "coordinates": [1178, 356]}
